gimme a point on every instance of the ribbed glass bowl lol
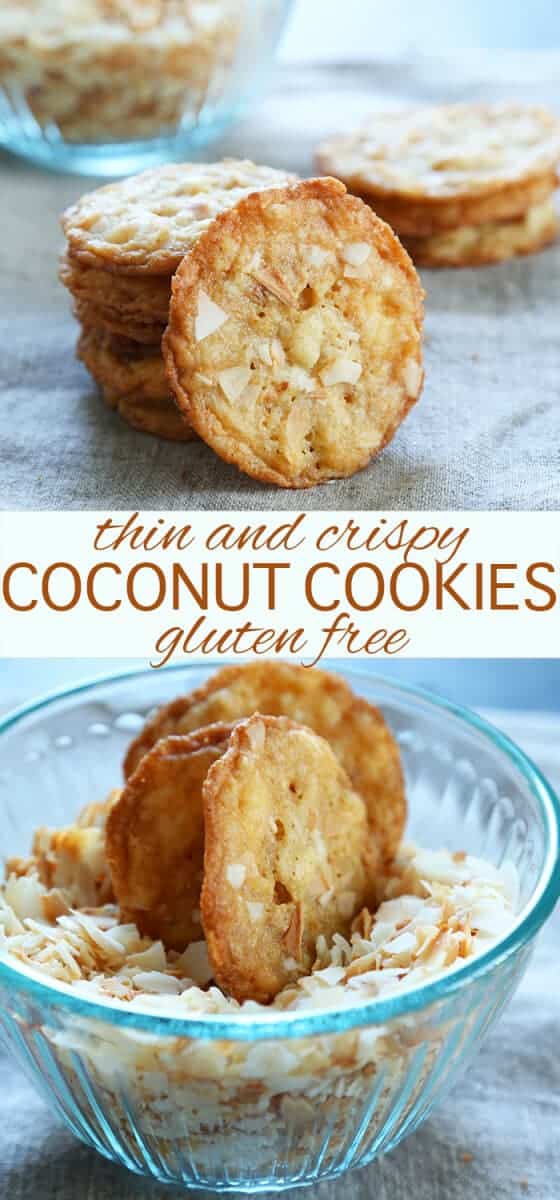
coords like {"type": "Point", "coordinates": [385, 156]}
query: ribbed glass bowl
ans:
{"type": "Point", "coordinates": [258, 1102]}
{"type": "Point", "coordinates": [106, 89]}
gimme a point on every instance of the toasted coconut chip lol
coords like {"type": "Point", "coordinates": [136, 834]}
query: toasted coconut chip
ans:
{"type": "Point", "coordinates": [233, 381]}
{"type": "Point", "coordinates": [209, 317]}
{"type": "Point", "coordinates": [342, 370]}
{"type": "Point", "coordinates": [357, 253]}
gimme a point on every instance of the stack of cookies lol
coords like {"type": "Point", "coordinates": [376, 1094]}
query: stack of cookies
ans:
{"type": "Point", "coordinates": [294, 339]}
{"type": "Point", "coordinates": [124, 242]}
{"type": "Point", "coordinates": [462, 185]}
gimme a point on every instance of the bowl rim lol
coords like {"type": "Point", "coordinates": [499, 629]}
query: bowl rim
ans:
{"type": "Point", "coordinates": [240, 1027]}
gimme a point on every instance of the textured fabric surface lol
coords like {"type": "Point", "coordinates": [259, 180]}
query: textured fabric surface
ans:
{"type": "Point", "coordinates": [496, 1136]}
{"type": "Point", "coordinates": [485, 433]}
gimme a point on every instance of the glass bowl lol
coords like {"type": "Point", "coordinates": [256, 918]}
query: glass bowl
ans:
{"type": "Point", "coordinates": [106, 87]}
{"type": "Point", "coordinates": [269, 1101]}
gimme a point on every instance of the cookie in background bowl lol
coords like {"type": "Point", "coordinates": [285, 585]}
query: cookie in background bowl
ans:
{"type": "Point", "coordinates": [294, 344]}
{"type": "Point", "coordinates": [459, 168]}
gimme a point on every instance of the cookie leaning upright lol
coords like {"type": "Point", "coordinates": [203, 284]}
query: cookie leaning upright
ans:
{"type": "Point", "coordinates": [286, 856]}
{"type": "Point", "coordinates": [294, 344]}
{"type": "Point", "coordinates": [463, 168]}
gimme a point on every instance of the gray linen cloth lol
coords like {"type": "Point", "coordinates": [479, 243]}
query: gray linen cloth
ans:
{"type": "Point", "coordinates": [486, 432]}
{"type": "Point", "coordinates": [494, 1138]}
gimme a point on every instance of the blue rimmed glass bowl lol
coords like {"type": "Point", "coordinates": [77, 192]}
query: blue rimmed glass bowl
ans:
{"type": "Point", "coordinates": [109, 89]}
{"type": "Point", "coordinates": [261, 1102]}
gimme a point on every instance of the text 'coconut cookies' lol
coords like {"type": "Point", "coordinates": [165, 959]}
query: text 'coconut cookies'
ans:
{"type": "Point", "coordinates": [462, 184]}
{"type": "Point", "coordinates": [294, 343]}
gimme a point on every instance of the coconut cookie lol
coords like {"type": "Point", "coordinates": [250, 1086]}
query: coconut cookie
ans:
{"type": "Point", "coordinates": [117, 299]}
{"type": "Point", "coordinates": [495, 241]}
{"type": "Point", "coordinates": [433, 169]}
{"type": "Point", "coordinates": [143, 332]}
{"type": "Point", "coordinates": [355, 729]}
{"type": "Point", "coordinates": [132, 380]}
{"type": "Point", "coordinates": [294, 344]}
{"type": "Point", "coordinates": [145, 224]}
{"type": "Point", "coordinates": [155, 837]}
{"type": "Point", "coordinates": [286, 856]}
{"type": "Point", "coordinates": [159, 418]}
{"type": "Point", "coordinates": [122, 366]}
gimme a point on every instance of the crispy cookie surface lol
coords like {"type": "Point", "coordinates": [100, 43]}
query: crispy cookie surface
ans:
{"type": "Point", "coordinates": [294, 344]}
{"type": "Point", "coordinates": [155, 837]}
{"type": "Point", "coordinates": [145, 224]}
{"type": "Point", "coordinates": [136, 306]}
{"type": "Point", "coordinates": [496, 241]}
{"type": "Point", "coordinates": [158, 418]}
{"type": "Point", "coordinates": [122, 366]}
{"type": "Point", "coordinates": [355, 729]}
{"type": "Point", "coordinates": [144, 333]}
{"type": "Point", "coordinates": [285, 859]}
{"type": "Point", "coordinates": [132, 379]}
{"type": "Point", "coordinates": [429, 169]}
{"type": "Point", "coordinates": [135, 297]}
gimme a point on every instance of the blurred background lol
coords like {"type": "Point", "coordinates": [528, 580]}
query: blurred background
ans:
{"type": "Point", "coordinates": [520, 685]}
{"type": "Point", "coordinates": [326, 30]}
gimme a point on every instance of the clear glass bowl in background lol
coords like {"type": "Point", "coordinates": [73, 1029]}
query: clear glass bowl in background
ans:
{"type": "Point", "coordinates": [268, 1101]}
{"type": "Point", "coordinates": [109, 88]}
